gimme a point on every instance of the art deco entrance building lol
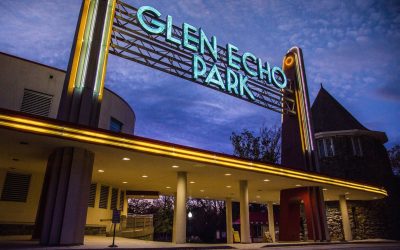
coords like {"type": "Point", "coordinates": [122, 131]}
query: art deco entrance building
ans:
{"type": "Point", "coordinates": [86, 161]}
{"type": "Point", "coordinates": [115, 164]}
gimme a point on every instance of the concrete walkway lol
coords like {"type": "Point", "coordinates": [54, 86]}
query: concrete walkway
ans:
{"type": "Point", "coordinates": [101, 242]}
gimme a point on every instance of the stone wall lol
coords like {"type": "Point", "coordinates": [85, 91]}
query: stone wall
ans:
{"type": "Point", "coordinates": [367, 220]}
{"type": "Point", "coordinates": [334, 219]}
{"type": "Point", "coordinates": [372, 219]}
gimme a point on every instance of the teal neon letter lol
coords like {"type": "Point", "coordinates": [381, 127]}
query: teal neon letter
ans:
{"type": "Point", "coordinates": [279, 71]}
{"type": "Point", "coordinates": [212, 47]}
{"type": "Point", "coordinates": [187, 37]}
{"type": "Point", "coordinates": [168, 35]}
{"type": "Point", "coordinates": [246, 66]}
{"type": "Point", "coordinates": [262, 71]}
{"type": "Point", "coordinates": [217, 80]}
{"type": "Point", "coordinates": [158, 28]}
{"type": "Point", "coordinates": [229, 84]}
{"type": "Point", "coordinates": [231, 57]}
{"type": "Point", "coordinates": [243, 87]}
{"type": "Point", "coordinates": [196, 61]}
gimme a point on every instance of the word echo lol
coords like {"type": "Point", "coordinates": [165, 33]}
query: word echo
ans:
{"type": "Point", "coordinates": [195, 40]}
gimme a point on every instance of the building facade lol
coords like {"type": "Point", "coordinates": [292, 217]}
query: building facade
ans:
{"type": "Point", "coordinates": [35, 89]}
{"type": "Point", "coordinates": [347, 149]}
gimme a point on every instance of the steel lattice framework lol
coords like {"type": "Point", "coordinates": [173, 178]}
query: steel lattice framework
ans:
{"type": "Point", "coordinates": [131, 42]}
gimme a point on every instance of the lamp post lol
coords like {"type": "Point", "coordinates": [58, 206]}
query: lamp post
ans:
{"type": "Point", "coordinates": [190, 215]}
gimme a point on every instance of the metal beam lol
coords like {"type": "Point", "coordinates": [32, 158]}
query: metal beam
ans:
{"type": "Point", "coordinates": [129, 41]}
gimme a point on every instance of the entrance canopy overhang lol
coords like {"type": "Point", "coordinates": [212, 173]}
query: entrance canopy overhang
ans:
{"type": "Point", "coordinates": [26, 142]}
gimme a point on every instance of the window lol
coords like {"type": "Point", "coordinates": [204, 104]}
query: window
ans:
{"type": "Point", "coordinates": [36, 103]}
{"type": "Point", "coordinates": [356, 145]}
{"type": "Point", "coordinates": [92, 194]}
{"type": "Point", "coordinates": [330, 150]}
{"type": "Point", "coordinates": [321, 148]}
{"type": "Point", "coordinates": [104, 190]}
{"type": "Point", "coordinates": [115, 125]}
{"type": "Point", "coordinates": [114, 198]}
{"type": "Point", "coordinates": [326, 147]}
{"type": "Point", "coordinates": [121, 200]}
{"type": "Point", "coordinates": [16, 187]}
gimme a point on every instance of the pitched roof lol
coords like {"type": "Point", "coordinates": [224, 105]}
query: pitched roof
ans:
{"type": "Point", "coordinates": [329, 115]}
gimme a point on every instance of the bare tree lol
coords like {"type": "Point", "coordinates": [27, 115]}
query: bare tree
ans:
{"type": "Point", "coordinates": [266, 146]}
{"type": "Point", "coordinates": [394, 156]}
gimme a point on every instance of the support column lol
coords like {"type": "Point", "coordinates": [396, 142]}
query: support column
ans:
{"type": "Point", "coordinates": [244, 213]}
{"type": "Point", "coordinates": [314, 208]}
{"type": "Point", "coordinates": [125, 205]}
{"type": "Point", "coordinates": [61, 217]}
{"type": "Point", "coordinates": [271, 222]}
{"type": "Point", "coordinates": [180, 210]}
{"type": "Point", "coordinates": [174, 221]}
{"type": "Point", "coordinates": [62, 210]}
{"type": "Point", "coordinates": [345, 218]}
{"type": "Point", "coordinates": [229, 226]}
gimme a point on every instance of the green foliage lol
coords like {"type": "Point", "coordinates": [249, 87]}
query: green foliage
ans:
{"type": "Point", "coordinates": [163, 212]}
{"type": "Point", "coordinates": [208, 217]}
{"type": "Point", "coordinates": [394, 156]}
{"type": "Point", "coordinates": [264, 147]}
{"type": "Point", "coordinates": [164, 216]}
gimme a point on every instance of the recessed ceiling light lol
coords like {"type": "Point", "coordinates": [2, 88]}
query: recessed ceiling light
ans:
{"type": "Point", "coordinates": [228, 174]}
{"type": "Point", "coordinates": [124, 182]}
{"type": "Point", "coordinates": [266, 180]}
{"type": "Point", "coordinates": [324, 189]}
{"type": "Point", "coordinates": [298, 185]}
{"type": "Point", "coordinates": [258, 196]}
{"type": "Point", "coordinates": [126, 159]}
{"type": "Point", "coordinates": [100, 171]}
{"type": "Point", "coordinates": [228, 186]}
{"type": "Point", "coordinates": [202, 190]}
{"type": "Point", "coordinates": [144, 176]}
{"type": "Point", "coordinates": [175, 166]}
{"type": "Point", "coordinates": [192, 182]}
{"type": "Point", "coordinates": [168, 187]}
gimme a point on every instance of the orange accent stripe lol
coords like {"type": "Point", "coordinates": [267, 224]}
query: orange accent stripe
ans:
{"type": "Point", "coordinates": [78, 46]}
{"type": "Point", "coordinates": [123, 141]}
{"type": "Point", "coordinates": [104, 69]}
{"type": "Point", "coordinates": [299, 106]}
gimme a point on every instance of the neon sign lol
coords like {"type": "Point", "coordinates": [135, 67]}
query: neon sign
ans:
{"type": "Point", "coordinates": [195, 40]}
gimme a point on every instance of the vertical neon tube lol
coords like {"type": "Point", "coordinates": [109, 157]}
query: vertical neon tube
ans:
{"type": "Point", "coordinates": [86, 45]}
{"type": "Point", "coordinates": [105, 45]}
{"type": "Point", "coordinates": [78, 46]}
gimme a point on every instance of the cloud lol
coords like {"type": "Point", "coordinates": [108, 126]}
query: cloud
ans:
{"type": "Point", "coordinates": [39, 30]}
{"type": "Point", "coordinates": [352, 47]}
{"type": "Point", "coordinates": [390, 91]}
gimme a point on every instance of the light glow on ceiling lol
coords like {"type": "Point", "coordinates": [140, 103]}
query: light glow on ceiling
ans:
{"type": "Point", "coordinates": [44, 127]}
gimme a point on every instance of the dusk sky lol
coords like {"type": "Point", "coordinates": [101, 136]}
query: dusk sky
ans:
{"type": "Point", "coordinates": [352, 47]}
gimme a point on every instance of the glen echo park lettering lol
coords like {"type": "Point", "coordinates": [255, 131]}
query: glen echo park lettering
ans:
{"type": "Point", "coordinates": [195, 40]}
